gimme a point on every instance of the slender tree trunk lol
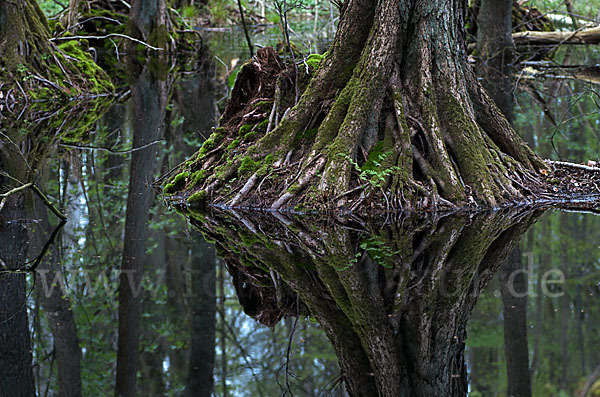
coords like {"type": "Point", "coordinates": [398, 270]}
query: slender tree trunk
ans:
{"type": "Point", "coordinates": [149, 98]}
{"type": "Point", "coordinates": [151, 21]}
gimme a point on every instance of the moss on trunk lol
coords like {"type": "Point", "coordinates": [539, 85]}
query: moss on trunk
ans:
{"type": "Point", "coordinates": [34, 67]}
{"type": "Point", "coordinates": [400, 84]}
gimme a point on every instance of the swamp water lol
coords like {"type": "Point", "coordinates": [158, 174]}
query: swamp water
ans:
{"type": "Point", "coordinates": [401, 298]}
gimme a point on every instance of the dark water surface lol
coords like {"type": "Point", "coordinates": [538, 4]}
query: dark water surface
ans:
{"type": "Point", "coordinates": [401, 298]}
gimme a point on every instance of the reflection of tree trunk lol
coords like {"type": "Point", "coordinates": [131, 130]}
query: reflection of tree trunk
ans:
{"type": "Point", "coordinates": [57, 307]}
{"type": "Point", "coordinates": [149, 97]}
{"type": "Point", "coordinates": [16, 375]}
{"type": "Point", "coordinates": [565, 310]}
{"type": "Point", "coordinates": [223, 331]}
{"type": "Point", "coordinates": [394, 301]}
{"type": "Point", "coordinates": [203, 311]}
{"type": "Point", "coordinates": [513, 283]}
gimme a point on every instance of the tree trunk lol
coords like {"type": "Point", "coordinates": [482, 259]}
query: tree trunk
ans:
{"type": "Point", "coordinates": [151, 21]}
{"type": "Point", "coordinates": [394, 300]}
{"type": "Point", "coordinates": [393, 118]}
{"type": "Point", "coordinates": [149, 97]}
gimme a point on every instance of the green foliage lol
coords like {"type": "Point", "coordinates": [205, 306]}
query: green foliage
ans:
{"type": "Point", "coordinates": [372, 170]}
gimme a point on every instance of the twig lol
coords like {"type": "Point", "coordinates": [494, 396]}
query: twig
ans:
{"type": "Point", "coordinates": [289, 347]}
{"type": "Point", "coordinates": [245, 29]}
{"type": "Point", "coordinates": [89, 19]}
{"type": "Point", "coordinates": [48, 203]}
{"type": "Point", "coordinates": [11, 192]}
{"type": "Point", "coordinates": [106, 37]}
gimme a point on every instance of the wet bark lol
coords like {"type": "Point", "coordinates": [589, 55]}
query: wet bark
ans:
{"type": "Point", "coordinates": [149, 98]}
{"type": "Point", "coordinates": [394, 300]}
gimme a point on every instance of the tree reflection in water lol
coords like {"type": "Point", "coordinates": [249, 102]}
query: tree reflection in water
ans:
{"type": "Point", "coordinates": [393, 298]}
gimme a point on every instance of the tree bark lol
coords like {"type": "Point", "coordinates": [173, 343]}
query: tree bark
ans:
{"type": "Point", "coordinates": [149, 97]}
{"type": "Point", "coordinates": [151, 21]}
{"type": "Point", "coordinates": [401, 123]}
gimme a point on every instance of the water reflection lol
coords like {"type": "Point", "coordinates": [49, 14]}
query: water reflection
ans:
{"type": "Point", "coordinates": [394, 299]}
{"type": "Point", "coordinates": [390, 297]}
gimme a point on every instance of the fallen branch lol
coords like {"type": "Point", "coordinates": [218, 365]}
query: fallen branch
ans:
{"type": "Point", "coordinates": [586, 36]}
{"type": "Point", "coordinates": [573, 165]}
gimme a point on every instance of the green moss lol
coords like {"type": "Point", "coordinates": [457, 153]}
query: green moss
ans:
{"type": "Point", "coordinates": [198, 177]}
{"type": "Point", "coordinates": [248, 166]}
{"type": "Point", "coordinates": [250, 136]}
{"type": "Point", "coordinates": [314, 60]}
{"type": "Point", "coordinates": [264, 169]}
{"type": "Point", "coordinates": [235, 143]}
{"type": "Point", "coordinates": [177, 183]}
{"type": "Point", "coordinates": [262, 126]}
{"type": "Point", "coordinates": [197, 199]}
{"type": "Point", "coordinates": [215, 138]}
{"type": "Point", "coordinates": [305, 135]}
{"type": "Point", "coordinates": [246, 128]}
{"type": "Point", "coordinates": [87, 75]}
